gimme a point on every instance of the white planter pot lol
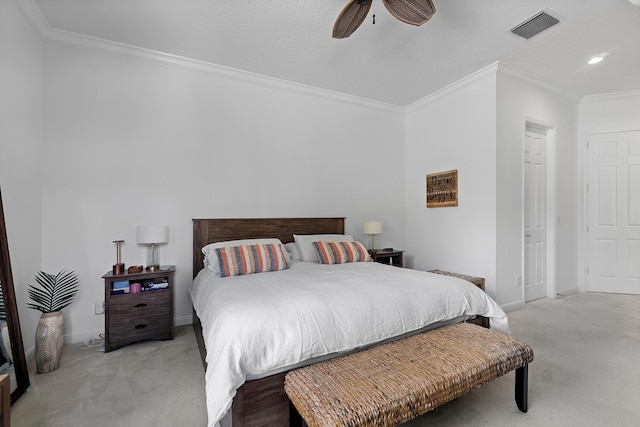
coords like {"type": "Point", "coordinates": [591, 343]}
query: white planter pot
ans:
{"type": "Point", "coordinates": [49, 340]}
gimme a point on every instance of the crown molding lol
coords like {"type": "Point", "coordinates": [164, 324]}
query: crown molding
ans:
{"type": "Point", "coordinates": [62, 37]}
{"type": "Point", "coordinates": [481, 74]}
{"type": "Point", "coordinates": [32, 14]}
{"type": "Point", "coordinates": [496, 68]}
{"type": "Point", "coordinates": [630, 94]}
{"type": "Point", "coordinates": [511, 71]}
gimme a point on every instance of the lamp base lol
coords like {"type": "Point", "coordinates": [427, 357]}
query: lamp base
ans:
{"type": "Point", "coordinates": [118, 269]}
{"type": "Point", "coordinates": [152, 258]}
{"type": "Point", "coordinates": [372, 240]}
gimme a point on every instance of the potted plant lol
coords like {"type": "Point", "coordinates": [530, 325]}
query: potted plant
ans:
{"type": "Point", "coordinates": [54, 293]}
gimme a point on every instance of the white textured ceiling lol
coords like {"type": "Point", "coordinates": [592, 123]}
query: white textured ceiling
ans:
{"type": "Point", "coordinates": [390, 61]}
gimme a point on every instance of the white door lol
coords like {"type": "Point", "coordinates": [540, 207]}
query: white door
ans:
{"type": "Point", "coordinates": [535, 213]}
{"type": "Point", "coordinates": [613, 218]}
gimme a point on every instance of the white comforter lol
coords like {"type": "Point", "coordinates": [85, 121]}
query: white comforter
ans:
{"type": "Point", "coordinates": [258, 323]}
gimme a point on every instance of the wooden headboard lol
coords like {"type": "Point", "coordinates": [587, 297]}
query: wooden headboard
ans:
{"type": "Point", "coordinates": [207, 231]}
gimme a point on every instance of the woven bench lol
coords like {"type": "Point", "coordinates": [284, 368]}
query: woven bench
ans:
{"type": "Point", "coordinates": [395, 382]}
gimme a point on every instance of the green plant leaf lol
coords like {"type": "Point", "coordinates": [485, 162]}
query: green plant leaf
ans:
{"type": "Point", "coordinates": [55, 292]}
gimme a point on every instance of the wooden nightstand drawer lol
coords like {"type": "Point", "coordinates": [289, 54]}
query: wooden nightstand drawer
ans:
{"type": "Point", "coordinates": [136, 329]}
{"type": "Point", "coordinates": [139, 304]}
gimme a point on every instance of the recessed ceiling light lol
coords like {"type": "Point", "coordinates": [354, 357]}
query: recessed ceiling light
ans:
{"type": "Point", "coordinates": [595, 60]}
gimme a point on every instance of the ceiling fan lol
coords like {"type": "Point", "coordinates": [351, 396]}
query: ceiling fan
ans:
{"type": "Point", "coordinates": [414, 12]}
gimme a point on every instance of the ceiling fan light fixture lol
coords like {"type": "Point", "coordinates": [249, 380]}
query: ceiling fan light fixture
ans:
{"type": "Point", "coordinates": [350, 18]}
{"type": "Point", "coordinates": [412, 12]}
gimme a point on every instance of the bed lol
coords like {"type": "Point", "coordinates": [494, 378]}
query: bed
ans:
{"type": "Point", "coordinates": [258, 385]}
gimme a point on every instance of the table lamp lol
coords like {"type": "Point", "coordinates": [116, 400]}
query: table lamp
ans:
{"type": "Point", "coordinates": [372, 228]}
{"type": "Point", "coordinates": [152, 236]}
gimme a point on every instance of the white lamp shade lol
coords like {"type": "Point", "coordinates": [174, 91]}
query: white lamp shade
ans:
{"type": "Point", "coordinates": [148, 234]}
{"type": "Point", "coordinates": [372, 227]}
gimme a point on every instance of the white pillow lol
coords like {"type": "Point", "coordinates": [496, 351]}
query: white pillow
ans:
{"type": "Point", "coordinates": [292, 249]}
{"type": "Point", "coordinates": [304, 243]}
{"type": "Point", "coordinates": [211, 261]}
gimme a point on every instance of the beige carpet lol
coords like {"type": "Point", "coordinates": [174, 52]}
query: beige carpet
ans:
{"type": "Point", "coordinates": [153, 383]}
{"type": "Point", "coordinates": [586, 372]}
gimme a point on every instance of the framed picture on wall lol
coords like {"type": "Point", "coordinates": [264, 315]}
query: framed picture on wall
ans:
{"type": "Point", "coordinates": [442, 189]}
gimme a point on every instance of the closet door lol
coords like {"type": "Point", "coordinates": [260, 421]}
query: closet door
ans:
{"type": "Point", "coordinates": [613, 233]}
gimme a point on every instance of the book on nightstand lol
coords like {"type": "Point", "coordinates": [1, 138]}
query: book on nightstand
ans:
{"type": "Point", "coordinates": [155, 284]}
{"type": "Point", "coordinates": [121, 287]}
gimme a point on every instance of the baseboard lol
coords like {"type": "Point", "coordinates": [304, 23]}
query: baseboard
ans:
{"type": "Point", "coordinates": [183, 320]}
{"type": "Point", "coordinates": [569, 291]}
{"type": "Point", "coordinates": [30, 353]}
{"type": "Point", "coordinates": [83, 336]}
{"type": "Point", "coordinates": [512, 306]}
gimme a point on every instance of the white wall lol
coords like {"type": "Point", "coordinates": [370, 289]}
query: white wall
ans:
{"type": "Point", "coordinates": [454, 129]}
{"type": "Point", "coordinates": [520, 98]}
{"type": "Point", "coordinates": [610, 113]}
{"type": "Point", "coordinates": [21, 133]}
{"type": "Point", "coordinates": [132, 141]}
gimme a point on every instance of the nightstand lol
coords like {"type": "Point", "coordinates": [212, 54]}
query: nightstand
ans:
{"type": "Point", "coordinates": [138, 306]}
{"type": "Point", "coordinates": [479, 282]}
{"type": "Point", "coordinates": [394, 258]}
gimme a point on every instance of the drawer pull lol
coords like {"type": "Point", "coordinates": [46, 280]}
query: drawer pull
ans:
{"type": "Point", "coordinates": [140, 305]}
{"type": "Point", "coordinates": [140, 326]}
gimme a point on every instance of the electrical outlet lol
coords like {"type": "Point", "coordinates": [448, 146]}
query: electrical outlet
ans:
{"type": "Point", "coordinates": [518, 280]}
{"type": "Point", "coordinates": [99, 307]}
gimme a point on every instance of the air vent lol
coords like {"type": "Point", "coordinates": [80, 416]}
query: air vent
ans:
{"type": "Point", "coordinates": [535, 25]}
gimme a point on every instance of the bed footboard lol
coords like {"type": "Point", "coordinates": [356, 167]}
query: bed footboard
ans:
{"type": "Point", "coordinates": [261, 403]}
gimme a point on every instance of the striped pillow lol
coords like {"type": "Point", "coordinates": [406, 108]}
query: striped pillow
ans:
{"type": "Point", "coordinates": [340, 252]}
{"type": "Point", "coordinates": [248, 259]}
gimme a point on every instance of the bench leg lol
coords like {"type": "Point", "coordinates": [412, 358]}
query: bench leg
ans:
{"type": "Point", "coordinates": [295, 420]}
{"type": "Point", "coordinates": [522, 388]}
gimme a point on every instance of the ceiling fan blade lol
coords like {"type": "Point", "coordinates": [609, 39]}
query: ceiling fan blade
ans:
{"type": "Point", "coordinates": [414, 12]}
{"type": "Point", "coordinates": [350, 18]}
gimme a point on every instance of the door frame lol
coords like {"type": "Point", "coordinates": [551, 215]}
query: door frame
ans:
{"type": "Point", "coordinates": [551, 131]}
